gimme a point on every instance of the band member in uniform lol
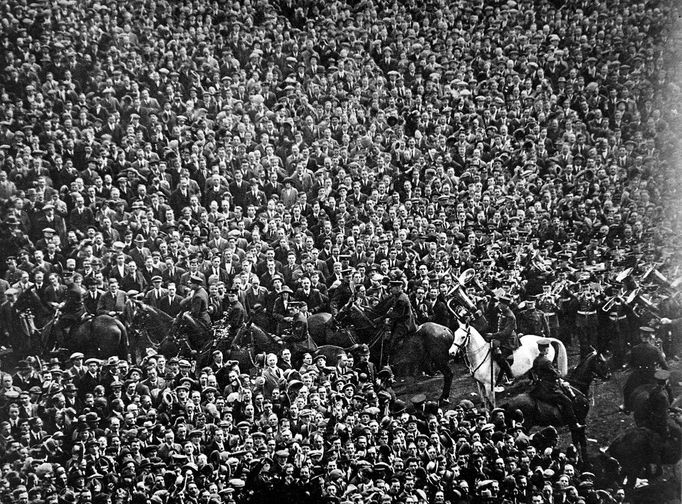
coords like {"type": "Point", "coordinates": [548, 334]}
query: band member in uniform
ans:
{"type": "Point", "coordinates": [532, 321]}
{"type": "Point", "coordinates": [618, 333]}
{"type": "Point", "coordinates": [548, 306]}
{"type": "Point", "coordinates": [586, 321]}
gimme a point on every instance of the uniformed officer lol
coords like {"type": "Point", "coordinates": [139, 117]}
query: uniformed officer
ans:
{"type": "Point", "coordinates": [504, 339]}
{"type": "Point", "coordinates": [197, 303]}
{"type": "Point", "coordinates": [298, 311]}
{"type": "Point", "coordinates": [548, 385]}
{"type": "Point", "coordinates": [586, 321]}
{"type": "Point", "coordinates": [618, 332]}
{"type": "Point", "coordinates": [568, 307]}
{"type": "Point", "coordinates": [532, 320]}
{"type": "Point", "coordinates": [644, 359]}
{"type": "Point", "coordinates": [550, 311]}
{"type": "Point", "coordinates": [659, 403]}
{"type": "Point", "coordinates": [342, 293]}
{"type": "Point", "coordinates": [400, 318]}
{"type": "Point", "coordinates": [235, 315]}
{"type": "Point", "coordinates": [376, 291]}
{"type": "Point", "coordinates": [658, 406]}
{"type": "Point", "coordinates": [72, 309]}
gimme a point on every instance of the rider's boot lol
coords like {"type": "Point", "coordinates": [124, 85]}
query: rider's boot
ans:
{"type": "Point", "coordinates": [505, 377]}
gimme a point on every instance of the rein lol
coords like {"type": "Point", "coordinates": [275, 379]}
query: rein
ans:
{"type": "Point", "coordinates": [465, 354]}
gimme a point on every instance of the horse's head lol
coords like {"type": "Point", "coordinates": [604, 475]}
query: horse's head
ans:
{"type": "Point", "coordinates": [27, 300]}
{"type": "Point", "coordinates": [601, 366]}
{"type": "Point", "coordinates": [595, 365]}
{"type": "Point", "coordinates": [345, 311]}
{"type": "Point", "coordinates": [461, 340]}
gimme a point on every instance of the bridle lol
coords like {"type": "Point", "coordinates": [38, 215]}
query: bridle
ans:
{"type": "Point", "coordinates": [463, 349]}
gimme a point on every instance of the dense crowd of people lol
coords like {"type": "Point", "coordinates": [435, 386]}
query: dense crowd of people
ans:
{"type": "Point", "coordinates": [225, 159]}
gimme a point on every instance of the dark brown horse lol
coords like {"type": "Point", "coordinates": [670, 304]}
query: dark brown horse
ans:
{"type": "Point", "coordinates": [101, 336]}
{"type": "Point", "coordinates": [171, 337]}
{"type": "Point", "coordinates": [424, 350]}
{"type": "Point", "coordinates": [259, 341]}
{"type": "Point", "coordinates": [639, 402]}
{"type": "Point", "coordinates": [32, 325]}
{"type": "Point", "coordinates": [539, 413]}
{"type": "Point", "coordinates": [325, 331]}
{"type": "Point", "coordinates": [637, 448]}
{"type": "Point", "coordinates": [153, 328]}
{"type": "Point", "coordinates": [332, 352]}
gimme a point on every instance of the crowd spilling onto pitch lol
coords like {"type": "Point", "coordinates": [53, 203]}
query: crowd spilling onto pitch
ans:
{"type": "Point", "coordinates": [281, 159]}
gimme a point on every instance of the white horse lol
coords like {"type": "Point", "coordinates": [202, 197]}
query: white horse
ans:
{"type": "Point", "coordinates": [485, 370]}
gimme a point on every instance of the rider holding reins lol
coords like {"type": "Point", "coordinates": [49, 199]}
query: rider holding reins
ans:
{"type": "Point", "coordinates": [549, 385]}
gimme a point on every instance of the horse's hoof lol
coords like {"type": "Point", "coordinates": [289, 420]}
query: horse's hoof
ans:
{"type": "Point", "coordinates": [444, 400]}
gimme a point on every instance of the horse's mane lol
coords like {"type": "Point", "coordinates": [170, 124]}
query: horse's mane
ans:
{"type": "Point", "coordinates": [583, 365]}
{"type": "Point", "coordinates": [158, 312]}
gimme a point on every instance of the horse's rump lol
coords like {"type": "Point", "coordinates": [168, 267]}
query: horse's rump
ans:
{"type": "Point", "coordinates": [436, 339]}
{"type": "Point", "coordinates": [317, 323]}
{"type": "Point", "coordinates": [639, 402]}
{"type": "Point", "coordinates": [331, 352]}
{"type": "Point", "coordinates": [542, 412]}
{"type": "Point", "coordinates": [635, 447]}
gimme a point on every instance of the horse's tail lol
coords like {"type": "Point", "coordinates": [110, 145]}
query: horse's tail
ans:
{"type": "Point", "coordinates": [561, 357]}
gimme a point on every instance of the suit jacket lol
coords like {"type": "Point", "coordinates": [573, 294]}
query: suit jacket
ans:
{"type": "Point", "coordinates": [222, 275]}
{"type": "Point", "coordinates": [291, 275]}
{"type": "Point", "coordinates": [115, 272]}
{"type": "Point", "coordinates": [148, 275]}
{"type": "Point", "coordinates": [81, 220]}
{"type": "Point", "coordinates": [55, 294]}
{"type": "Point", "coordinates": [108, 302]}
{"type": "Point", "coordinates": [184, 279]}
{"type": "Point", "coordinates": [87, 383]}
{"type": "Point", "coordinates": [134, 282]}
{"type": "Point", "coordinates": [172, 308]}
{"type": "Point", "coordinates": [258, 200]}
{"type": "Point", "coordinates": [153, 298]}
{"type": "Point", "coordinates": [401, 313]}
{"type": "Point", "coordinates": [198, 305]}
{"type": "Point", "coordinates": [139, 255]}
{"type": "Point", "coordinates": [92, 302]}
{"type": "Point", "coordinates": [239, 193]}
{"type": "Point", "coordinates": [172, 276]}
{"type": "Point", "coordinates": [178, 201]}
{"type": "Point", "coordinates": [253, 297]}
{"type": "Point", "coordinates": [315, 301]}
